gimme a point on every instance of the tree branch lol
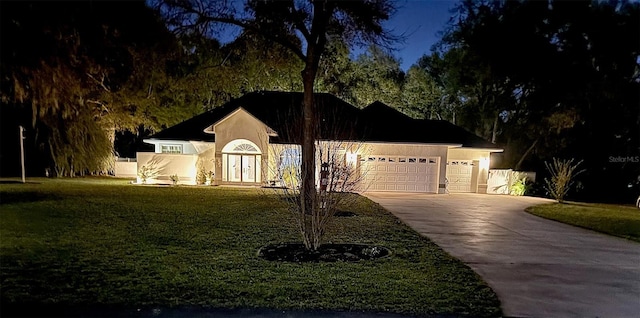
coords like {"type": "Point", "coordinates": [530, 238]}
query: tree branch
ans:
{"type": "Point", "coordinates": [100, 83]}
{"type": "Point", "coordinates": [203, 17]}
{"type": "Point", "coordinates": [247, 26]}
{"type": "Point", "coordinates": [300, 25]}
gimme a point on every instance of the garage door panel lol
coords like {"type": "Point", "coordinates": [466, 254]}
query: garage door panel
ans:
{"type": "Point", "coordinates": [459, 175]}
{"type": "Point", "coordinates": [406, 174]}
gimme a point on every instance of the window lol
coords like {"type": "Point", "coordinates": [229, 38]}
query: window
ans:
{"type": "Point", "coordinates": [245, 148]}
{"type": "Point", "coordinates": [382, 159]}
{"type": "Point", "coordinates": [402, 159]}
{"type": "Point", "coordinates": [422, 160]}
{"type": "Point", "coordinates": [391, 159]}
{"type": "Point", "coordinates": [412, 160]}
{"type": "Point", "coordinates": [432, 161]}
{"type": "Point", "coordinates": [171, 148]}
{"type": "Point", "coordinates": [371, 159]}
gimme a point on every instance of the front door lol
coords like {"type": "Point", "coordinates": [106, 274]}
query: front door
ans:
{"type": "Point", "coordinates": [242, 168]}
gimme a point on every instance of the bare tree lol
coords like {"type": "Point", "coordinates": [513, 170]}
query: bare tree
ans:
{"type": "Point", "coordinates": [339, 174]}
{"type": "Point", "coordinates": [304, 27]}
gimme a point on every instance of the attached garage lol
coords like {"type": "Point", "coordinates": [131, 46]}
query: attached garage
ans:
{"type": "Point", "coordinates": [391, 152]}
{"type": "Point", "coordinates": [400, 173]}
{"type": "Point", "coordinates": [459, 175]}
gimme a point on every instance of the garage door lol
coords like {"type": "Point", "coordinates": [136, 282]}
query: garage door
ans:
{"type": "Point", "coordinates": [399, 173]}
{"type": "Point", "coordinates": [459, 175]}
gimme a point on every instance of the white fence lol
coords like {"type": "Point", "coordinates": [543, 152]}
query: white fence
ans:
{"type": "Point", "coordinates": [126, 167]}
{"type": "Point", "coordinates": [162, 166]}
{"type": "Point", "coordinates": [501, 180]}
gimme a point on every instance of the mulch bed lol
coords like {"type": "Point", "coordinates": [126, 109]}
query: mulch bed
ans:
{"type": "Point", "coordinates": [296, 252]}
{"type": "Point", "coordinates": [344, 214]}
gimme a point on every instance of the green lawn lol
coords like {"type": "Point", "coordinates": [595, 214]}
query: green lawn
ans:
{"type": "Point", "coordinates": [618, 220]}
{"type": "Point", "coordinates": [95, 242]}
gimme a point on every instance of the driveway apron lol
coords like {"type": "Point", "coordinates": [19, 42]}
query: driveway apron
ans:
{"type": "Point", "coordinates": [537, 267]}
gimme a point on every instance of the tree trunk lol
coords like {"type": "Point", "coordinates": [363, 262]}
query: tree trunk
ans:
{"type": "Point", "coordinates": [495, 129]}
{"type": "Point", "coordinates": [526, 153]}
{"type": "Point", "coordinates": [316, 40]}
{"type": "Point", "coordinates": [308, 191]}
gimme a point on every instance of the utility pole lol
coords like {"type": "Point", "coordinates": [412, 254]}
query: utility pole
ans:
{"type": "Point", "coordinates": [22, 152]}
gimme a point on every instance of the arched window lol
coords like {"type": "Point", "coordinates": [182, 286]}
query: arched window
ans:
{"type": "Point", "coordinates": [241, 162]}
{"type": "Point", "coordinates": [245, 148]}
{"type": "Point", "coordinates": [241, 146]}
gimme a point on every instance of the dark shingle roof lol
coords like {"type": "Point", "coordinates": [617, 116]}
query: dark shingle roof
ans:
{"type": "Point", "coordinates": [338, 120]}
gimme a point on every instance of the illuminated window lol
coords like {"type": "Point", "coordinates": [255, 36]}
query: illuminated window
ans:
{"type": "Point", "coordinates": [171, 149]}
{"type": "Point", "coordinates": [245, 148]}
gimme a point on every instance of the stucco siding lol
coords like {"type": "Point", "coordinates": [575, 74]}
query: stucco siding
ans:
{"type": "Point", "coordinates": [165, 165]}
{"type": "Point", "coordinates": [480, 161]}
{"type": "Point", "coordinates": [240, 125]}
{"type": "Point", "coordinates": [206, 161]}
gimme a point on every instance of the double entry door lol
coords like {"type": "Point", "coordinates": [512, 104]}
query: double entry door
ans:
{"type": "Point", "coordinates": [243, 168]}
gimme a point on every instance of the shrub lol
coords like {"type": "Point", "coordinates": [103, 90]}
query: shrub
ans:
{"type": "Point", "coordinates": [519, 187]}
{"type": "Point", "coordinates": [147, 172]}
{"type": "Point", "coordinates": [174, 179]}
{"type": "Point", "coordinates": [562, 174]}
{"type": "Point", "coordinates": [209, 178]}
{"type": "Point", "coordinates": [201, 174]}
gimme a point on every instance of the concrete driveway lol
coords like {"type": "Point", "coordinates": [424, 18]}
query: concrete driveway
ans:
{"type": "Point", "coordinates": [538, 267]}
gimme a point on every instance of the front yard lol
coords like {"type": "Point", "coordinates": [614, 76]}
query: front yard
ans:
{"type": "Point", "coordinates": [613, 219]}
{"type": "Point", "coordinates": [95, 243]}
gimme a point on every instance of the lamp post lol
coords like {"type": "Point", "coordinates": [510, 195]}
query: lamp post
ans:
{"type": "Point", "coordinates": [22, 151]}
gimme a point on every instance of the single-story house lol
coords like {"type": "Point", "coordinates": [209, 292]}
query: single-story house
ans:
{"type": "Point", "coordinates": [239, 142]}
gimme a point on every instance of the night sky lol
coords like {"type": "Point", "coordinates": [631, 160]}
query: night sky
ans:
{"type": "Point", "coordinates": [420, 21]}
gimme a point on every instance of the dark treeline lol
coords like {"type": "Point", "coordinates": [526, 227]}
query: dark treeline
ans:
{"type": "Point", "coordinates": [541, 79]}
{"type": "Point", "coordinates": [549, 79]}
